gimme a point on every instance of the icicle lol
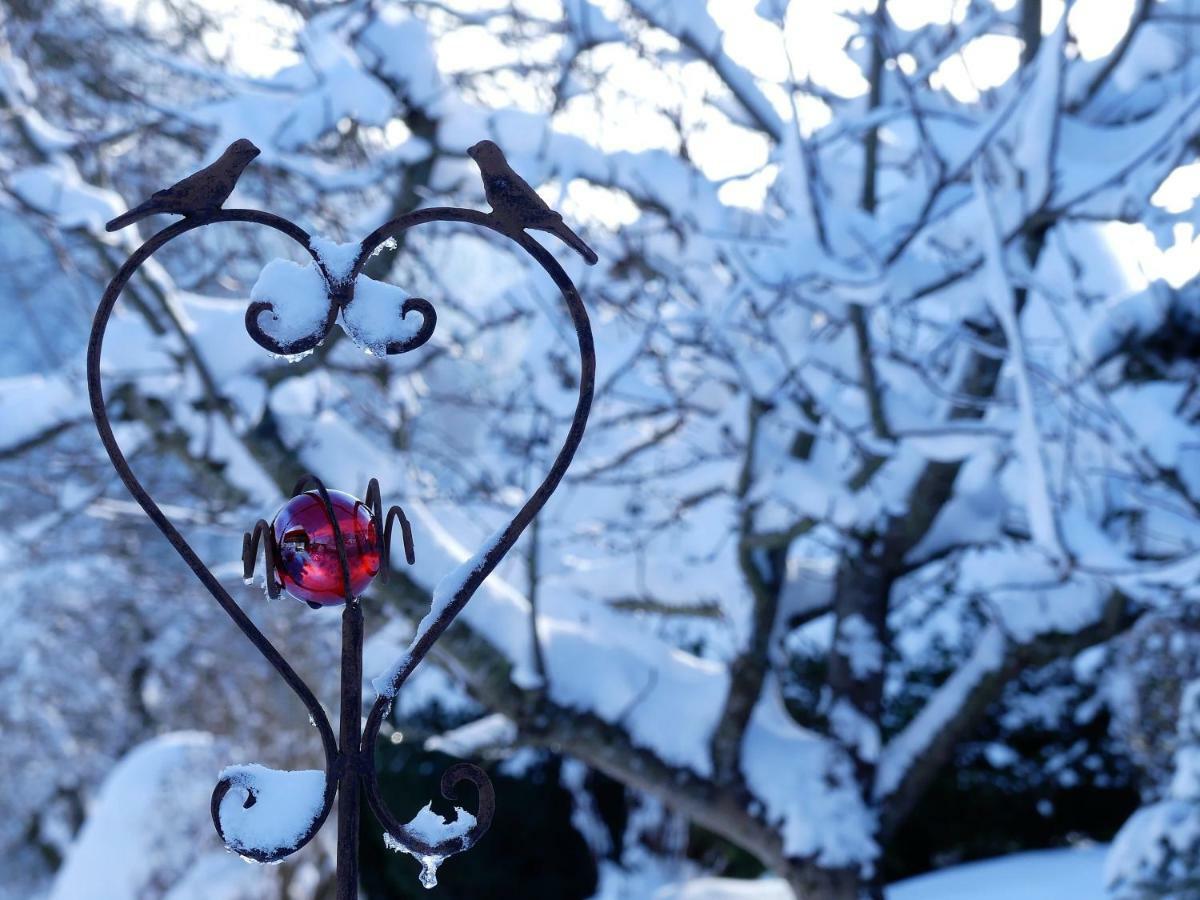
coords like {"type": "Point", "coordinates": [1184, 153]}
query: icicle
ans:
{"type": "Point", "coordinates": [429, 867]}
{"type": "Point", "coordinates": [293, 357]}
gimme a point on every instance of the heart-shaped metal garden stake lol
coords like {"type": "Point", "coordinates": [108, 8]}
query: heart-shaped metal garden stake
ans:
{"type": "Point", "coordinates": [335, 537]}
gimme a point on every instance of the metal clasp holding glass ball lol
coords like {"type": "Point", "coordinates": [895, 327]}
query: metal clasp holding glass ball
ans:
{"type": "Point", "coordinates": [324, 547]}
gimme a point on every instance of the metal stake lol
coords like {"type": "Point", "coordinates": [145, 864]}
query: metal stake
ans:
{"type": "Point", "coordinates": [350, 735]}
{"type": "Point", "coordinates": [350, 757]}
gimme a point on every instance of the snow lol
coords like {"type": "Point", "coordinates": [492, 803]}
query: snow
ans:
{"type": "Point", "coordinates": [857, 642]}
{"type": "Point", "coordinates": [57, 190]}
{"type": "Point", "coordinates": [1035, 875]}
{"type": "Point", "coordinates": [589, 23]}
{"type": "Point", "coordinates": [19, 92]}
{"type": "Point", "coordinates": [373, 317]}
{"type": "Point", "coordinates": [1096, 161]}
{"type": "Point", "coordinates": [782, 764]}
{"type": "Point", "coordinates": [433, 829]}
{"type": "Point", "coordinates": [667, 700]}
{"type": "Point", "coordinates": [585, 813]}
{"type": "Point", "coordinates": [294, 107]}
{"type": "Point", "coordinates": [443, 593]}
{"type": "Point", "coordinates": [141, 827]}
{"type": "Point", "coordinates": [1163, 435]}
{"type": "Point", "coordinates": [299, 299]}
{"type": "Point", "coordinates": [399, 47]}
{"type": "Point", "coordinates": [854, 730]}
{"type": "Point", "coordinates": [962, 441]}
{"type": "Point", "coordinates": [487, 733]}
{"type": "Point", "coordinates": [1026, 592]}
{"type": "Point", "coordinates": [286, 804]}
{"type": "Point", "coordinates": [907, 746]}
{"type": "Point", "coordinates": [691, 22]}
{"type": "Point", "coordinates": [1038, 125]}
{"type": "Point", "coordinates": [218, 876]}
{"type": "Point", "coordinates": [1057, 502]}
{"type": "Point", "coordinates": [1149, 846]}
{"type": "Point", "coordinates": [429, 684]}
{"type": "Point", "coordinates": [726, 889]}
{"type": "Point", "coordinates": [339, 259]}
{"type": "Point", "coordinates": [1123, 318]}
{"type": "Point", "coordinates": [1073, 873]}
{"type": "Point", "coordinates": [1039, 502]}
{"type": "Point", "coordinates": [1154, 852]}
{"type": "Point", "coordinates": [31, 405]}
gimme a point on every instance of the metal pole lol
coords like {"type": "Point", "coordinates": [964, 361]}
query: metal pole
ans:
{"type": "Point", "coordinates": [350, 734]}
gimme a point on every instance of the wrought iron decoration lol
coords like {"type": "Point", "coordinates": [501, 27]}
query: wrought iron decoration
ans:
{"type": "Point", "coordinates": [349, 756]}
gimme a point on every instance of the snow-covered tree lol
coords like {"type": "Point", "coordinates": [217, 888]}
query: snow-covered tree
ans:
{"type": "Point", "coordinates": [895, 328]}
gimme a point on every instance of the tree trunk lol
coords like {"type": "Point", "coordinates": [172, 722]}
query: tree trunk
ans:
{"type": "Point", "coordinates": [813, 883]}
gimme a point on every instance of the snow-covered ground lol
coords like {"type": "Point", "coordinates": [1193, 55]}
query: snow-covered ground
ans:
{"type": "Point", "coordinates": [1069, 874]}
{"type": "Point", "coordinates": [1074, 873]}
{"type": "Point", "coordinates": [163, 781]}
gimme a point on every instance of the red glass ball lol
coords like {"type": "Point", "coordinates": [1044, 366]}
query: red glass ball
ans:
{"type": "Point", "coordinates": [308, 565]}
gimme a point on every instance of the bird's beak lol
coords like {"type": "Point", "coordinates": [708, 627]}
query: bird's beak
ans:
{"type": "Point", "coordinates": [473, 151]}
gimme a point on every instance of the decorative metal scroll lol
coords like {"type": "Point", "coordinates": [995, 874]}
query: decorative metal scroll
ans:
{"type": "Point", "coordinates": [349, 756]}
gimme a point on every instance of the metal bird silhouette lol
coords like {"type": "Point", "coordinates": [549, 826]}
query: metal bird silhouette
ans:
{"type": "Point", "coordinates": [516, 205]}
{"type": "Point", "coordinates": [201, 192]}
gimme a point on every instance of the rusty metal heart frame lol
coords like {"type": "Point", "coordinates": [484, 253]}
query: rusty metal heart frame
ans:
{"type": "Point", "coordinates": [349, 757]}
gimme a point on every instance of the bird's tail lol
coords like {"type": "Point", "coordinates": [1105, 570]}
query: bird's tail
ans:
{"type": "Point", "coordinates": [560, 230]}
{"type": "Point", "coordinates": [126, 219]}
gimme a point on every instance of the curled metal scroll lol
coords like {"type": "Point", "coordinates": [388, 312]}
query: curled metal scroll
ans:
{"type": "Point", "coordinates": [349, 757]}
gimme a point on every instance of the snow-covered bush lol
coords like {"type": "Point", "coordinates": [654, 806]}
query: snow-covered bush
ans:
{"type": "Point", "coordinates": [1156, 856]}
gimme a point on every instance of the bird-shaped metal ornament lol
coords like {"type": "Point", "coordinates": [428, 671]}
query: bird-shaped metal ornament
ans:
{"type": "Point", "coordinates": [516, 205]}
{"type": "Point", "coordinates": [201, 192]}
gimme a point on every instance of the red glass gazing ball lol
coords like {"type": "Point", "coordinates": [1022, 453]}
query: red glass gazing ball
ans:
{"type": "Point", "coordinates": [308, 565]}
